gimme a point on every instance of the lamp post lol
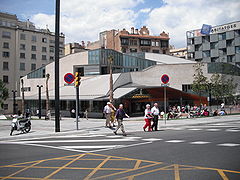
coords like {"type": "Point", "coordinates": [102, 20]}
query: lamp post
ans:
{"type": "Point", "coordinates": [14, 101]}
{"type": "Point", "coordinates": [39, 100]}
{"type": "Point", "coordinates": [110, 59]}
{"type": "Point", "coordinates": [210, 96]}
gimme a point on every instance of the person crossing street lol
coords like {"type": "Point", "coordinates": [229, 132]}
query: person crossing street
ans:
{"type": "Point", "coordinates": [155, 112]}
{"type": "Point", "coordinates": [120, 114]}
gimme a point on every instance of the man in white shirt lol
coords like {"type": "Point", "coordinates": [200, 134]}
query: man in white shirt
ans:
{"type": "Point", "coordinates": [155, 113]}
{"type": "Point", "coordinates": [107, 111]}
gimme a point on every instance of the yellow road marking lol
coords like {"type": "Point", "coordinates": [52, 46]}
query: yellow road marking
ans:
{"type": "Point", "coordinates": [176, 172]}
{"type": "Point", "coordinates": [135, 167]}
{"type": "Point", "coordinates": [97, 168]}
{"type": "Point", "coordinates": [223, 175]}
{"type": "Point", "coordinates": [13, 174]}
{"type": "Point", "coordinates": [59, 169]}
{"type": "Point", "coordinates": [103, 177]}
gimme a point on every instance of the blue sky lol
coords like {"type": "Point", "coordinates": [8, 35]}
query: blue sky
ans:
{"type": "Point", "coordinates": [83, 20]}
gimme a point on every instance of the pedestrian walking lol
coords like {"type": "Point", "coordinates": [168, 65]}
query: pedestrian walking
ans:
{"type": "Point", "coordinates": [148, 118]}
{"type": "Point", "coordinates": [113, 118]}
{"type": "Point", "coordinates": [107, 112]}
{"type": "Point", "coordinates": [155, 112]}
{"type": "Point", "coordinates": [120, 114]}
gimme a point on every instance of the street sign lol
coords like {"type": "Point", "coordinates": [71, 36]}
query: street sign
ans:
{"type": "Point", "coordinates": [69, 78]}
{"type": "Point", "coordinates": [165, 79]}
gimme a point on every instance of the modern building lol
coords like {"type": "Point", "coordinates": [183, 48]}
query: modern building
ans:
{"type": "Point", "coordinates": [71, 48]}
{"type": "Point", "coordinates": [136, 81]}
{"type": "Point", "coordinates": [179, 52]}
{"type": "Point", "coordinates": [23, 48]}
{"type": "Point", "coordinates": [134, 41]}
{"type": "Point", "coordinates": [221, 45]}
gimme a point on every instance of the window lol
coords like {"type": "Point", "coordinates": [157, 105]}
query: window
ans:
{"type": "Point", "coordinates": [157, 43]}
{"type": "Point", "coordinates": [222, 36]}
{"type": "Point", "coordinates": [44, 57]}
{"type": "Point", "coordinates": [191, 55]}
{"type": "Point", "coordinates": [34, 38]}
{"type": "Point", "coordinates": [44, 40]}
{"type": "Point", "coordinates": [5, 79]}
{"type": "Point", "coordinates": [198, 60]}
{"type": "Point", "coordinates": [164, 44]}
{"type": "Point", "coordinates": [214, 59]}
{"type": "Point", "coordinates": [155, 51]}
{"type": "Point", "coordinates": [133, 42]}
{"type": "Point", "coordinates": [237, 33]}
{"type": "Point", "coordinates": [145, 42]}
{"type": "Point", "coordinates": [229, 42]}
{"type": "Point", "coordinates": [52, 41]}
{"type": "Point", "coordinates": [22, 46]}
{"type": "Point", "coordinates": [197, 47]}
{"type": "Point", "coordinates": [153, 43]}
{"type": "Point", "coordinates": [5, 66]}
{"type": "Point", "coordinates": [192, 41]}
{"type": "Point", "coordinates": [186, 87]}
{"type": "Point", "coordinates": [133, 50]}
{"type": "Point", "coordinates": [34, 56]}
{"type": "Point", "coordinates": [231, 58]}
{"type": "Point", "coordinates": [44, 49]}
{"type": "Point", "coordinates": [124, 41]}
{"type": "Point", "coordinates": [22, 66]}
{"type": "Point", "coordinates": [206, 39]}
{"type": "Point", "coordinates": [5, 106]}
{"type": "Point", "coordinates": [6, 45]}
{"type": "Point", "coordinates": [23, 36]}
{"type": "Point", "coordinates": [5, 54]}
{"type": "Point", "coordinates": [51, 49]}
{"type": "Point", "coordinates": [222, 52]}
{"type": "Point", "coordinates": [34, 48]}
{"type": "Point", "coordinates": [213, 45]}
{"type": "Point", "coordinates": [51, 58]}
{"type": "Point", "coordinates": [22, 55]}
{"type": "Point", "coordinates": [206, 54]}
{"type": "Point", "coordinates": [237, 49]}
{"type": "Point", "coordinates": [6, 34]}
{"type": "Point", "coordinates": [33, 67]}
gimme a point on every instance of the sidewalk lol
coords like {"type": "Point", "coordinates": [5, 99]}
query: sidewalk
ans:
{"type": "Point", "coordinates": [43, 128]}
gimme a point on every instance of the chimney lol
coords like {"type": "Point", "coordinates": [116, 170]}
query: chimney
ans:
{"type": "Point", "coordinates": [136, 31]}
{"type": "Point", "coordinates": [132, 30]}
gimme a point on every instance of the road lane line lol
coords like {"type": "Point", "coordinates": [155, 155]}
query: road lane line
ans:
{"type": "Point", "coordinates": [199, 142]}
{"type": "Point", "coordinates": [91, 147]}
{"type": "Point", "coordinates": [223, 175]}
{"type": "Point", "coordinates": [61, 168]}
{"type": "Point", "coordinates": [175, 141]}
{"type": "Point", "coordinates": [228, 144]}
{"type": "Point", "coordinates": [97, 168]}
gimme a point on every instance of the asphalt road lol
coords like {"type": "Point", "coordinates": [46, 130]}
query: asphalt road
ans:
{"type": "Point", "coordinates": [206, 152]}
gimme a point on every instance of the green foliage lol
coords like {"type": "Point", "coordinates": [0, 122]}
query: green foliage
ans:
{"type": "Point", "coordinates": [222, 87]}
{"type": "Point", "coordinates": [200, 82]}
{"type": "Point", "coordinates": [3, 92]}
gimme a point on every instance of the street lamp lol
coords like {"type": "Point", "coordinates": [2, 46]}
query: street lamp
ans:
{"type": "Point", "coordinates": [39, 100]}
{"type": "Point", "coordinates": [210, 96]}
{"type": "Point", "coordinates": [110, 59]}
{"type": "Point", "coordinates": [14, 101]}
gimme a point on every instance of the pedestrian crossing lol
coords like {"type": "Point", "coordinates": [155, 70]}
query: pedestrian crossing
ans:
{"type": "Point", "coordinates": [102, 142]}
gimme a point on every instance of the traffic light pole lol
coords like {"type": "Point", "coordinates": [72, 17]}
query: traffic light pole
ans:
{"type": "Point", "coordinates": [77, 105]}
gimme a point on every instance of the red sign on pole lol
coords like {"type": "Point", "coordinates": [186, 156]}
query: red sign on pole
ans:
{"type": "Point", "coordinates": [165, 79]}
{"type": "Point", "coordinates": [69, 78]}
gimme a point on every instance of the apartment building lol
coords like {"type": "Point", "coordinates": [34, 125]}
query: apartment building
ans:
{"type": "Point", "coordinates": [23, 48]}
{"type": "Point", "coordinates": [133, 41]}
{"type": "Point", "coordinates": [221, 45]}
{"type": "Point", "coordinates": [179, 52]}
{"type": "Point", "coordinates": [72, 48]}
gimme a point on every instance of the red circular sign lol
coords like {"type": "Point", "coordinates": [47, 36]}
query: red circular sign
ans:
{"type": "Point", "coordinates": [165, 79]}
{"type": "Point", "coordinates": [69, 78]}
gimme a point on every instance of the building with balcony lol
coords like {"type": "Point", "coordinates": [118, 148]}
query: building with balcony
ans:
{"type": "Point", "coordinates": [221, 45]}
{"type": "Point", "coordinates": [23, 48]}
{"type": "Point", "coordinates": [133, 41]}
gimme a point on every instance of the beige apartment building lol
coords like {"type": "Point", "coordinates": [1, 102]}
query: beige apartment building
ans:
{"type": "Point", "coordinates": [72, 48]}
{"type": "Point", "coordinates": [23, 48]}
{"type": "Point", "coordinates": [132, 42]}
{"type": "Point", "coordinates": [179, 52]}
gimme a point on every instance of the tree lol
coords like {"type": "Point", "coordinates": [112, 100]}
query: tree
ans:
{"type": "Point", "coordinates": [48, 115]}
{"type": "Point", "coordinates": [200, 82]}
{"type": "Point", "coordinates": [3, 93]}
{"type": "Point", "coordinates": [222, 87]}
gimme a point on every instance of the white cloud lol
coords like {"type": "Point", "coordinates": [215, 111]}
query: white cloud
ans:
{"type": "Point", "coordinates": [177, 17]}
{"type": "Point", "coordinates": [83, 20]}
{"type": "Point", "coordinates": [146, 10]}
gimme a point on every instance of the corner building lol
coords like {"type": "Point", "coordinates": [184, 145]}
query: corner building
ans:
{"type": "Point", "coordinates": [23, 48]}
{"type": "Point", "coordinates": [221, 45]}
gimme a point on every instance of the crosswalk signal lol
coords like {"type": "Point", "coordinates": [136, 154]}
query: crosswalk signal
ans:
{"type": "Point", "coordinates": [77, 79]}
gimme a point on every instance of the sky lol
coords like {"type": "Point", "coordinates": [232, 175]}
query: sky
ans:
{"type": "Point", "coordinates": [84, 19]}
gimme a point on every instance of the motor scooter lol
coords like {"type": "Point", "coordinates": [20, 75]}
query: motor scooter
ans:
{"type": "Point", "coordinates": [20, 124]}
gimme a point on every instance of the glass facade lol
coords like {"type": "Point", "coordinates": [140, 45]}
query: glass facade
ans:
{"type": "Point", "coordinates": [39, 73]}
{"type": "Point", "coordinates": [121, 62]}
{"type": "Point", "coordinates": [223, 68]}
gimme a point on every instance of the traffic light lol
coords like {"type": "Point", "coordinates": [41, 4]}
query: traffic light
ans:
{"type": "Point", "coordinates": [77, 79]}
